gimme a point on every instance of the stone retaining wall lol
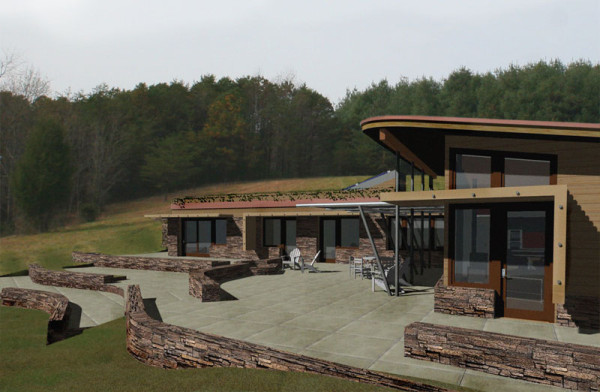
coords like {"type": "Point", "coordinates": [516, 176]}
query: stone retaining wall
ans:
{"type": "Point", "coordinates": [579, 311]}
{"type": "Point", "coordinates": [78, 280]}
{"type": "Point", "coordinates": [466, 301]}
{"type": "Point", "coordinates": [206, 284]}
{"type": "Point", "coordinates": [145, 263]}
{"type": "Point", "coordinates": [56, 305]}
{"type": "Point", "coordinates": [546, 362]}
{"type": "Point", "coordinates": [168, 346]}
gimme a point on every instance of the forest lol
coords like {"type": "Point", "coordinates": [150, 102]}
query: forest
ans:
{"type": "Point", "coordinates": [69, 155]}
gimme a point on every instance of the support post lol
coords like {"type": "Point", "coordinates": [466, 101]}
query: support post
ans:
{"type": "Point", "coordinates": [422, 180]}
{"type": "Point", "coordinates": [396, 234]}
{"type": "Point", "coordinates": [412, 225]}
{"type": "Point", "coordinates": [422, 250]}
{"type": "Point", "coordinates": [431, 239]}
{"type": "Point", "coordinates": [377, 259]}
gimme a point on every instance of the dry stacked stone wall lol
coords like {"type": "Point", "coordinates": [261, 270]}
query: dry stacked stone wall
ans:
{"type": "Point", "coordinates": [78, 280]}
{"type": "Point", "coordinates": [56, 305]}
{"type": "Point", "coordinates": [546, 362]}
{"type": "Point", "coordinates": [466, 301]}
{"type": "Point", "coordinates": [145, 263]}
{"type": "Point", "coordinates": [206, 284]}
{"type": "Point", "coordinates": [168, 346]}
{"type": "Point", "coordinates": [579, 311]}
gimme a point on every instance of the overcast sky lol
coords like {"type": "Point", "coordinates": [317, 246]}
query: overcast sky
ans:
{"type": "Point", "coordinates": [329, 45]}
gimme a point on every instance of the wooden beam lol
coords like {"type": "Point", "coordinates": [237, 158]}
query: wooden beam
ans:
{"type": "Point", "coordinates": [392, 142]}
{"type": "Point", "coordinates": [484, 128]}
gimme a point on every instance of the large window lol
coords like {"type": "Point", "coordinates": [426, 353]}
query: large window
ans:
{"type": "Point", "coordinates": [473, 171]}
{"type": "Point", "coordinates": [200, 234]}
{"type": "Point", "coordinates": [349, 232]}
{"type": "Point", "coordinates": [279, 231]}
{"type": "Point", "coordinates": [485, 169]}
{"type": "Point", "coordinates": [518, 172]}
{"type": "Point", "coordinates": [431, 236]}
{"type": "Point", "coordinates": [471, 245]}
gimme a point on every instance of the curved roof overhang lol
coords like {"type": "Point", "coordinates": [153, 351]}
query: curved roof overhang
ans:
{"type": "Point", "coordinates": [421, 139]}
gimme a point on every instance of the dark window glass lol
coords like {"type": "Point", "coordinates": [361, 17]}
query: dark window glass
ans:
{"type": "Point", "coordinates": [349, 232]}
{"type": "Point", "coordinates": [220, 231]}
{"type": "Point", "coordinates": [272, 231]}
{"type": "Point", "coordinates": [290, 235]}
{"type": "Point", "coordinates": [438, 235]}
{"type": "Point", "coordinates": [473, 171]}
{"type": "Point", "coordinates": [523, 172]}
{"type": "Point", "coordinates": [204, 236]}
{"type": "Point", "coordinates": [472, 245]}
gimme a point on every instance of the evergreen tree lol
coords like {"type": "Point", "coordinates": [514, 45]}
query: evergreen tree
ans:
{"type": "Point", "coordinates": [42, 178]}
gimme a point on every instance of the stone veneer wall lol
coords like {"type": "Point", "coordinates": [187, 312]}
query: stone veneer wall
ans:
{"type": "Point", "coordinates": [78, 280]}
{"type": "Point", "coordinates": [466, 301]}
{"type": "Point", "coordinates": [56, 305]}
{"type": "Point", "coordinates": [145, 263]}
{"type": "Point", "coordinates": [168, 346]}
{"type": "Point", "coordinates": [206, 284]}
{"type": "Point", "coordinates": [172, 237]}
{"type": "Point", "coordinates": [579, 311]}
{"type": "Point", "coordinates": [546, 362]}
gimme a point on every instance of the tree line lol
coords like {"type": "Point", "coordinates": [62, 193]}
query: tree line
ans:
{"type": "Point", "coordinates": [70, 155]}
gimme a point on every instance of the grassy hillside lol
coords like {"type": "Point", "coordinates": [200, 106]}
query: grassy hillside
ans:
{"type": "Point", "coordinates": [122, 228]}
{"type": "Point", "coordinates": [97, 360]}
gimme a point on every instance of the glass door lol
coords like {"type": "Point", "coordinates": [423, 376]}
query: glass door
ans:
{"type": "Point", "coordinates": [526, 272]}
{"type": "Point", "coordinates": [290, 235]}
{"type": "Point", "coordinates": [328, 236]}
{"type": "Point", "coordinates": [197, 237]}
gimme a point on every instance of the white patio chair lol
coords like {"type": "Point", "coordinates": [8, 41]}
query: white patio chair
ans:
{"type": "Point", "coordinates": [291, 260]}
{"type": "Point", "coordinates": [311, 266]}
{"type": "Point", "coordinates": [356, 266]}
{"type": "Point", "coordinates": [390, 274]}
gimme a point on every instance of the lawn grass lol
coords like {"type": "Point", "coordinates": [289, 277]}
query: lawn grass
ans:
{"type": "Point", "coordinates": [97, 360]}
{"type": "Point", "coordinates": [122, 228]}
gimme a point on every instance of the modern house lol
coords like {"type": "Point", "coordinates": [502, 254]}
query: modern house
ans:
{"type": "Point", "coordinates": [515, 232]}
{"type": "Point", "coordinates": [521, 206]}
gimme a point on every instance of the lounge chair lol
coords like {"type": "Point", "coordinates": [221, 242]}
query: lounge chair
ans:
{"type": "Point", "coordinates": [390, 274]}
{"type": "Point", "coordinates": [311, 266]}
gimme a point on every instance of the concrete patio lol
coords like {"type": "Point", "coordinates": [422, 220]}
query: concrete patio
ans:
{"type": "Point", "coordinates": [327, 315]}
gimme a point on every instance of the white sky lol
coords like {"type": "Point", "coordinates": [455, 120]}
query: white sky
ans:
{"type": "Point", "coordinates": [330, 45]}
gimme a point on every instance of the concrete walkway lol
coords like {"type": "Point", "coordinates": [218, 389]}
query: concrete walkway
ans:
{"type": "Point", "coordinates": [327, 315]}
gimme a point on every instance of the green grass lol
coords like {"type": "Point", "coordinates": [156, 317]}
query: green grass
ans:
{"type": "Point", "coordinates": [97, 360]}
{"type": "Point", "coordinates": [122, 228]}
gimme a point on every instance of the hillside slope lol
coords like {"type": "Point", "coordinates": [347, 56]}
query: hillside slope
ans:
{"type": "Point", "coordinates": [122, 228]}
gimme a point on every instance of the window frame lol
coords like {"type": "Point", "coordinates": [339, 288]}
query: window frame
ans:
{"type": "Point", "coordinates": [498, 170]}
{"type": "Point", "coordinates": [213, 230]}
{"type": "Point", "coordinates": [282, 232]}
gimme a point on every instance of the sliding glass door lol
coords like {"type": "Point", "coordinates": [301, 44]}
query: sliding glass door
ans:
{"type": "Point", "coordinates": [507, 248]}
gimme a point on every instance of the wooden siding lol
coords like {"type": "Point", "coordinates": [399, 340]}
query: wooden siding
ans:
{"type": "Point", "coordinates": [579, 169]}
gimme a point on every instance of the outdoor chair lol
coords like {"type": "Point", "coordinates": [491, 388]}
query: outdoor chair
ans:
{"type": "Point", "coordinates": [356, 266]}
{"type": "Point", "coordinates": [311, 266]}
{"type": "Point", "coordinates": [291, 260]}
{"type": "Point", "coordinates": [390, 274]}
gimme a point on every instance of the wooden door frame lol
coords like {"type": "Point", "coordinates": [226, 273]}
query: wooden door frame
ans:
{"type": "Point", "coordinates": [548, 313]}
{"type": "Point", "coordinates": [498, 227]}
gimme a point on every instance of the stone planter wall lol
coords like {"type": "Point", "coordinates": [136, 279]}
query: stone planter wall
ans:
{"type": "Point", "coordinates": [78, 280]}
{"type": "Point", "coordinates": [546, 362]}
{"type": "Point", "coordinates": [466, 301]}
{"type": "Point", "coordinates": [145, 263]}
{"type": "Point", "coordinates": [169, 346]}
{"type": "Point", "coordinates": [56, 305]}
{"type": "Point", "coordinates": [206, 284]}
